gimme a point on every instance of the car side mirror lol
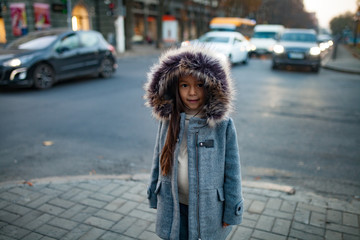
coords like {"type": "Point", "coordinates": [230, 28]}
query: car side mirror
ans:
{"type": "Point", "coordinates": [61, 50]}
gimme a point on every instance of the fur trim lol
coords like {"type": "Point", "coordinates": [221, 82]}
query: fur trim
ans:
{"type": "Point", "coordinates": [199, 62]}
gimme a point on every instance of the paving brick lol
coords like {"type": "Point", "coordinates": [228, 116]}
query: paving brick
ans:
{"type": "Point", "coordinates": [31, 216]}
{"type": "Point", "coordinates": [123, 224]}
{"type": "Point", "coordinates": [303, 235]}
{"type": "Point", "coordinates": [137, 228]}
{"type": "Point", "coordinates": [241, 233]}
{"type": "Point", "coordinates": [350, 219]}
{"type": "Point", "coordinates": [127, 207]}
{"type": "Point", "coordinates": [277, 214]}
{"type": "Point", "coordinates": [14, 231]}
{"type": "Point", "coordinates": [118, 192]}
{"type": "Point", "coordinates": [331, 235]}
{"type": "Point", "coordinates": [111, 216]}
{"type": "Point", "coordinates": [8, 216]}
{"type": "Point", "coordinates": [146, 235]}
{"type": "Point", "coordinates": [22, 191]}
{"type": "Point", "coordinates": [311, 208]}
{"type": "Point", "coordinates": [308, 228]}
{"type": "Point", "coordinates": [145, 208]}
{"type": "Point", "coordinates": [60, 187]}
{"type": "Point", "coordinates": [302, 215]}
{"type": "Point", "coordinates": [281, 226]}
{"type": "Point", "coordinates": [85, 214]}
{"type": "Point", "coordinates": [133, 197]}
{"type": "Point", "coordinates": [39, 201]}
{"type": "Point", "coordinates": [33, 236]}
{"type": "Point", "coordinates": [93, 203]}
{"type": "Point", "coordinates": [256, 207]}
{"type": "Point", "coordinates": [50, 192]}
{"type": "Point", "coordinates": [17, 209]}
{"type": "Point", "coordinates": [3, 203]}
{"type": "Point", "coordinates": [288, 206]}
{"type": "Point", "coordinates": [51, 231]}
{"type": "Point", "coordinates": [44, 218]}
{"type": "Point", "coordinates": [112, 236]}
{"type": "Point", "coordinates": [71, 193]}
{"type": "Point", "coordinates": [143, 215]}
{"type": "Point", "coordinates": [77, 232]}
{"type": "Point", "coordinates": [151, 228]}
{"type": "Point", "coordinates": [75, 209]}
{"type": "Point", "coordinates": [89, 187]}
{"type": "Point", "coordinates": [350, 237]}
{"type": "Point", "coordinates": [265, 223]}
{"type": "Point", "coordinates": [11, 197]}
{"type": "Point", "coordinates": [274, 203]}
{"type": "Point", "coordinates": [61, 203]}
{"type": "Point", "coordinates": [317, 219]}
{"type": "Point", "coordinates": [114, 205]}
{"type": "Point", "coordinates": [50, 209]}
{"type": "Point", "coordinates": [138, 189]}
{"type": "Point", "coordinates": [2, 224]}
{"type": "Point", "coordinates": [266, 235]}
{"type": "Point", "coordinates": [256, 197]}
{"type": "Point", "coordinates": [343, 229]}
{"type": "Point", "coordinates": [333, 216]}
{"type": "Point", "coordinates": [48, 238]}
{"type": "Point", "coordinates": [25, 200]}
{"type": "Point", "coordinates": [99, 222]}
{"type": "Point", "coordinates": [248, 223]}
{"type": "Point", "coordinates": [108, 188]}
{"type": "Point", "coordinates": [84, 194]}
{"type": "Point", "coordinates": [102, 197]}
{"type": "Point", "coordinates": [3, 237]}
{"type": "Point", "coordinates": [63, 223]}
{"type": "Point", "coordinates": [251, 216]}
{"type": "Point", "coordinates": [93, 234]}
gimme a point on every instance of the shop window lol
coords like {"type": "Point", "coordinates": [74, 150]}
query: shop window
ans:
{"type": "Point", "coordinates": [80, 18]}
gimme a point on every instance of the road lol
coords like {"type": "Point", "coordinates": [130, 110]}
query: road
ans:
{"type": "Point", "coordinates": [294, 127]}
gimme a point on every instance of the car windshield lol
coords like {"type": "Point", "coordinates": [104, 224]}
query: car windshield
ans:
{"type": "Point", "coordinates": [264, 35]}
{"type": "Point", "coordinates": [214, 39]}
{"type": "Point", "coordinates": [298, 37]}
{"type": "Point", "coordinates": [32, 42]}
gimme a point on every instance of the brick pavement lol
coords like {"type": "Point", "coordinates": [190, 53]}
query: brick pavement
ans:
{"type": "Point", "coordinates": [117, 209]}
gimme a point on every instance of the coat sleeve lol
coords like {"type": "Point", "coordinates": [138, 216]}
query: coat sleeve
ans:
{"type": "Point", "coordinates": [234, 201]}
{"type": "Point", "coordinates": [154, 175]}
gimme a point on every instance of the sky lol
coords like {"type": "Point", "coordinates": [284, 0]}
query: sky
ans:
{"type": "Point", "coordinates": [327, 9]}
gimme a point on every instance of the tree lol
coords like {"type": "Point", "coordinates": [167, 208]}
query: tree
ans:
{"type": "Point", "coordinates": [129, 24]}
{"type": "Point", "coordinates": [342, 22]}
{"type": "Point", "coordinates": [240, 8]}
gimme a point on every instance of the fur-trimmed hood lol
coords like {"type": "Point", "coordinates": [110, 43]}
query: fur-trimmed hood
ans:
{"type": "Point", "coordinates": [200, 62]}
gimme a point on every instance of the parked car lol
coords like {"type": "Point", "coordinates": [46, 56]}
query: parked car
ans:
{"type": "Point", "coordinates": [264, 38]}
{"type": "Point", "coordinates": [43, 58]}
{"type": "Point", "coordinates": [233, 45]}
{"type": "Point", "coordinates": [297, 47]}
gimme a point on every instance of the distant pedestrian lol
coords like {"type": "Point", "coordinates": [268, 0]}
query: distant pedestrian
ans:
{"type": "Point", "coordinates": [195, 182]}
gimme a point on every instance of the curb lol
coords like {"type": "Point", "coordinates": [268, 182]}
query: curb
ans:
{"type": "Point", "coordinates": [327, 59]}
{"type": "Point", "coordinates": [141, 177]}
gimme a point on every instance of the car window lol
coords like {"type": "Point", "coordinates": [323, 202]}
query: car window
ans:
{"type": "Point", "coordinates": [298, 37]}
{"type": "Point", "coordinates": [68, 42]}
{"type": "Point", "coordinates": [237, 40]}
{"type": "Point", "coordinates": [88, 39]}
{"type": "Point", "coordinates": [33, 43]}
{"type": "Point", "coordinates": [264, 35]}
{"type": "Point", "coordinates": [214, 39]}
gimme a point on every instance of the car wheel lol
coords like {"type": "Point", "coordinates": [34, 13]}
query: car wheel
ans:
{"type": "Point", "coordinates": [106, 68]}
{"type": "Point", "coordinates": [43, 76]}
{"type": "Point", "coordinates": [274, 66]}
{"type": "Point", "coordinates": [246, 60]}
{"type": "Point", "coordinates": [315, 69]}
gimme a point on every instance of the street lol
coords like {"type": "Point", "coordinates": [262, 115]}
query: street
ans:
{"type": "Point", "coordinates": [294, 127]}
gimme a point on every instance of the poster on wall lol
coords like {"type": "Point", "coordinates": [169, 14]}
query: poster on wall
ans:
{"type": "Point", "coordinates": [42, 16]}
{"type": "Point", "coordinates": [18, 19]}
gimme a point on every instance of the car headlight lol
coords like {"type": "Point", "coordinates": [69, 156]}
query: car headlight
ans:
{"type": "Point", "coordinates": [278, 49]}
{"type": "Point", "coordinates": [252, 47]}
{"type": "Point", "coordinates": [315, 51]}
{"type": "Point", "coordinates": [16, 62]}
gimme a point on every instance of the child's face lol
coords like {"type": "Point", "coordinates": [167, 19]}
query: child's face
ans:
{"type": "Point", "coordinates": [192, 92]}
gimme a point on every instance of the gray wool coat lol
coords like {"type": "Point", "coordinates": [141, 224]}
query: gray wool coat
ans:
{"type": "Point", "coordinates": [215, 194]}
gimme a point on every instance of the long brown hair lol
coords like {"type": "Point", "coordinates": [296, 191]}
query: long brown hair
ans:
{"type": "Point", "coordinates": [167, 154]}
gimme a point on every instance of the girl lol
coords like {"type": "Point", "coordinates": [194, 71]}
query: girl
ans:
{"type": "Point", "coordinates": [195, 182]}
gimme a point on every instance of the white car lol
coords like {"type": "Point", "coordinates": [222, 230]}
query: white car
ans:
{"type": "Point", "coordinates": [232, 45]}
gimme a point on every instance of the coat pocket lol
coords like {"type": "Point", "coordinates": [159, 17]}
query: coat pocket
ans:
{"type": "Point", "coordinates": [164, 209]}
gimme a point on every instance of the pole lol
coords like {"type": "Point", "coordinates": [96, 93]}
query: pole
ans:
{"type": "Point", "coordinates": [119, 28]}
{"type": "Point", "coordinates": [68, 6]}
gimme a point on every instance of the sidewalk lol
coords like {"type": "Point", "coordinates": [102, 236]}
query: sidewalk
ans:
{"type": "Point", "coordinates": [115, 207]}
{"type": "Point", "coordinates": [344, 61]}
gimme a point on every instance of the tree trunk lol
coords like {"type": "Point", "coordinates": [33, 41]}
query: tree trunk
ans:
{"type": "Point", "coordinates": [159, 24]}
{"type": "Point", "coordinates": [129, 24]}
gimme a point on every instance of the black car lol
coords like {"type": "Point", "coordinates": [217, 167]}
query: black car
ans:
{"type": "Point", "coordinates": [43, 58]}
{"type": "Point", "coordinates": [297, 47]}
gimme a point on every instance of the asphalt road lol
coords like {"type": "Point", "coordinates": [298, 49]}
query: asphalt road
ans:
{"type": "Point", "coordinates": [294, 127]}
